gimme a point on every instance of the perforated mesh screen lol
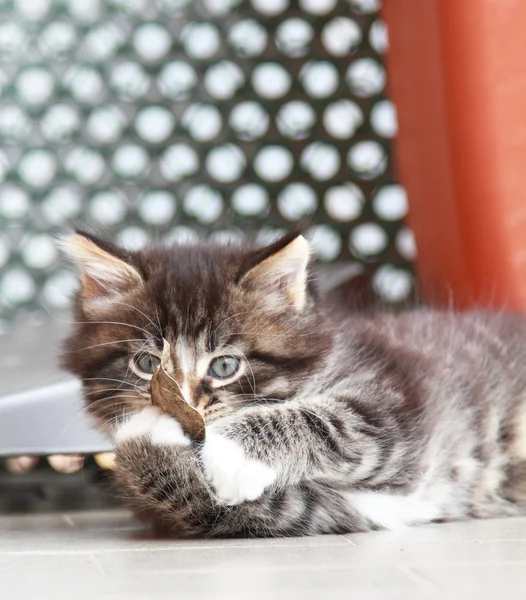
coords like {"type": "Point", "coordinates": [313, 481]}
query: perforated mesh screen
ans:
{"type": "Point", "coordinates": [176, 119]}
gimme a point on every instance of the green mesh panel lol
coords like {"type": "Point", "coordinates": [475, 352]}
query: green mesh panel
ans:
{"type": "Point", "coordinates": [179, 119]}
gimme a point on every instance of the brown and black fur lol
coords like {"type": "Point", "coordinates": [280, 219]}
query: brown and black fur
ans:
{"type": "Point", "coordinates": [351, 408]}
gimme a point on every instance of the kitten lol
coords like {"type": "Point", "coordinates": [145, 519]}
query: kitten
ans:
{"type": "Point", "coordinates": [319, 420]}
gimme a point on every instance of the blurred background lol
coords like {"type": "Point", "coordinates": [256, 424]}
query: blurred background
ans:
{"type": "Point", "coordinates": [177, 120]}
{"type": "Point", "coordinates": [187, 119]}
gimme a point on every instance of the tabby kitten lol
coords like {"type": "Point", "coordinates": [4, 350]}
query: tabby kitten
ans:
{"type": "Point", "coordinates": [318, 420]}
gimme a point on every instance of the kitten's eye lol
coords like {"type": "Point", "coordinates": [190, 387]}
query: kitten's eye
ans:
{"type": "Point", "coordinates": [223, 367]}
{"type": "Point", "coordinates": [147, 363]}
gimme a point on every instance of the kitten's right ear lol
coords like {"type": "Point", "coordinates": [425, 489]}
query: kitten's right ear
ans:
{"type": "Point", "coordinates": [104, 271]}
{"type": "Point", "coordinates": [281, 269]}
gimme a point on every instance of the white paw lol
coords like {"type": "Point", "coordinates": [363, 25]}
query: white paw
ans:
{"type": "Point", "coordinates": [234, 477]}
{"type": "Point", "coordinates": [152, 423]}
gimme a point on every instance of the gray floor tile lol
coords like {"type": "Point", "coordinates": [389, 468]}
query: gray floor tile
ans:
{"type": "Point", "coordinates": [106, 556]}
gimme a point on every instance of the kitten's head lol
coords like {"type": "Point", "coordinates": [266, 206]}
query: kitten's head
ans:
{"type": "Point", "coordinates": [243, 324]}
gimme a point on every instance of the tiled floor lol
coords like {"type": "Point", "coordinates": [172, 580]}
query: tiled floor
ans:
{"type": "Point", "coordinates": [105, 556]}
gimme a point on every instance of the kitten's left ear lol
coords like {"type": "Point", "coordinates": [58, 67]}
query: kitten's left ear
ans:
{"type": "Point", "coordinates": [281, 268]}
{"type": "Point", "coordinates": [104, 270]}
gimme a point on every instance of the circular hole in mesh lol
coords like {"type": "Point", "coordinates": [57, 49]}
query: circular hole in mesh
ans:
{"type": "Point", "coordinates": [35, 85]}
{"type": "Point", "coordinates": [62, 204]}
{"type": "Point", "coordinates": [203, 122]}
{"type": "Point", "coordinates": [344, 202]}
{"type": "Point", "coordinates": [383, 119]}
{"type": "Point", "coordinates": [33, 10]}
{"type": "Point", "coordinates": [319, 79]}
{"type": "Point", "coordinates": [367, 240]}
{"type": "Point", "coordinates": [182, 235]}
{"type": "Point", "coordinates": [390, 203]}
{"type": "Point", "coordinates": [318, 7]}
{"type": "Point", "coordinates": [86, 165]}
{"type": "Point", "coordinates": [129, 80]}
{"type": "Point", "coordinates": [341, 36]}
{"type": "Point", "coordinates": [364, 6]}
{"type": "Point", "coordinates": [157, 207]}
{"type": "Point", "coordinates": [106, 124]}
{"type": "Point", "coordinates": [176, 80]}
{"type": "Point", "coordinates": [226, 163]}
{"type": "Point", "coordinates": [293, 37]}
{"type": "Point", "coordinates": [405, 244]}
{"type": "Point", "coordinates": [392, 284]}
{"type": "Point", "coordinates": [39, 251]}
{"type": "Point", "coordinates": [367, 159]}
{"type": "Point", "coordinates": [56, 39]}
{"type": "Point", "coordinates": [103, 42]}
{"type": "Point", "coordinates": [59, 288]}
{"type": "Point", "coordinates": [296, 119]}
{"type": "Point", "coordinates": [85, 84]}
{"type": "Point", "coordinates": [151, 41]}
{"type": "Point", "coordinates": [320, 160]}
{"type": "Point", "coordinates": [13, 40]}
{"type": "Point", "coordinates": [378, 36]}
{"type": "Point", "coordinates": [327, 242]}
{"type": "Point", "coordinates": [365, 77]}
{"type": "Point", "coordinates": [59, 123]}
{"type": "Point", "coordinates": [270, 7]}
{"type": "Point", "coordinates": [247, 38]}
{"type": "Point", "coordinates": [297, 200]}
{"type": "Point", "coordinates": [14, 123]}
{"type": "Point", "coordinates": [203, 203]}
{"type": "Point", "coordinates": [133, 238]}
{"type": "Point", "coordinates": [200, 40]}
{"type": "Point", "coordinates": [14, 202]}
{"type": "Point", "coordinates": [249, 120]}
{"type": "Point", "coordinates": [154, 124]}
{"type": "Point", "coordinates": [250, 200]}
{"type": "Point", "coordinates": [87, 10]}
{"type": "Point", "coordinates": [342, 118]}
{"type": "Point", "coordinates": [273, 163]}
{"type": "Point", "coordinates": [109, 207]}
{"type": "Point", "coordinates": [178, 161]}
{"type": "Point", "coordinates": [270, 80]}
{"type": "Point", "coordinates": [227, 236]}
{"type": "Point", "coordinates": [37, 168]}
{"type": "Point", "coordinates": [17, 287]}
{"type": "Point", "coordinates": [223, 79]}
{"type": "Point", "coordinates": [130, 161]}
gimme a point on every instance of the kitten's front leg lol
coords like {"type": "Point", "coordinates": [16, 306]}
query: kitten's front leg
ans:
{"type": "Point", "coordinates": [162, 478]}
{"type": "Point", "coordinates": [234, 477]}
{"type": "Point", "coordinates": [265, 448]}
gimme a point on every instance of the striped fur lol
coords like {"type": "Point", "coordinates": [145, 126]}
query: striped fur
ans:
{"type": "Point", "coordinates": [367, 420]}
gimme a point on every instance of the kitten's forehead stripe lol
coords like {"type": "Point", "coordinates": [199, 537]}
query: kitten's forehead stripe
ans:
{"type": "Point", "coordinates": [185, 361]}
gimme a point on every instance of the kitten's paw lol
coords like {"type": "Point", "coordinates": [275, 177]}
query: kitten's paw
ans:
{"type": "Point", "coordinates": [138, 425]}
{"type": "Point", "coordinates": [168, 432]}
{"type": "Point", "coordinates": [234, 477]}
{"type": "Point", "coordinates": [151, 423]}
